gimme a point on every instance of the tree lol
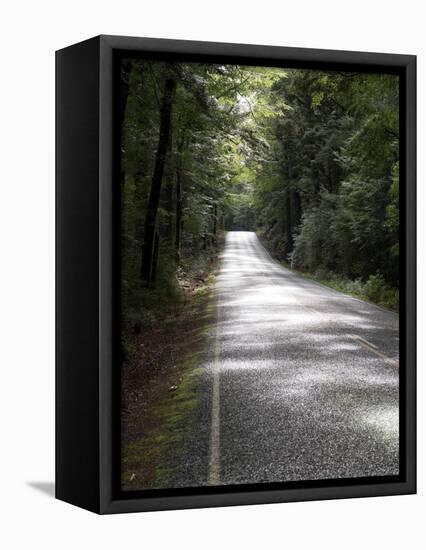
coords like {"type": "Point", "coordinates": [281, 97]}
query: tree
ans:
{"type": "Point", "coordinates": [308, 159]}
{"type": "Point", "coordinates": [150, 253]}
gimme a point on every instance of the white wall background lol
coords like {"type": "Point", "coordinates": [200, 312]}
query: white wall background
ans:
{"type": "Point", "coordinates": [30, 31]}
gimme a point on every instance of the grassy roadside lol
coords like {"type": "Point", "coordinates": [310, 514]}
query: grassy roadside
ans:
{"type": "Point", "coordinates": [160, 385]}
{"type": "Point", "coordinates": [374, 290]}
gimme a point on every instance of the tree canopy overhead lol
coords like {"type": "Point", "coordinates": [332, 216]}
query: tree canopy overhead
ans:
{"type": "Point", "coordinates": [307, 158]}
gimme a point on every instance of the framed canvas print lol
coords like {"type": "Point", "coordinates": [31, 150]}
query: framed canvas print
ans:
{"type": "Point", "coordinates": [235, 274]}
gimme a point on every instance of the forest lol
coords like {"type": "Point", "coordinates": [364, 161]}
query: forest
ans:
{"type": "Point", "coordinates": [308, 159]}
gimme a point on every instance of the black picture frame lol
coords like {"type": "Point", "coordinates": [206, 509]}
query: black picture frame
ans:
{"type": "Point", "coordinates": [86, 246]}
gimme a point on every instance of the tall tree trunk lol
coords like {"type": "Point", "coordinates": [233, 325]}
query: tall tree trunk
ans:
{"type": "Point", "coordinates": [155, 254]}
{"type": "Point", "coordinates": [169, 178]}
{"type": "Point", "coordinates": [179, 223]}
{"type": "Point", "coordinates": [170, 209]}
{"type": "Point", "coordinates": [181, 145]}
{"type": "Point", "coordinates": [288, 223]}
{"type": "Point", "coordinates": [126, 67]}
{"type": "Point", "coordinates": [215, 222]}
{"type": "Point", "coordinates": [297, 209]}
{"type": "Point", "coordinates": [214, 237]}
{"type": "Point", "coordinates": [157, 178]}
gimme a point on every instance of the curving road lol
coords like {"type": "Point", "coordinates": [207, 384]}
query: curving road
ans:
{"type": "Point", "coordinates": [301, 381]}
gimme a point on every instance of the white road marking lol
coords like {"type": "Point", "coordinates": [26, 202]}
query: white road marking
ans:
{"type": "Point", "coordinates": [214, 463]}
{"type": "Point", "coordinates": [364, 343]}
{"type": "Point", "coordinates": [214, 470]}
{"type": "Point", "coordinates": [370, 347]}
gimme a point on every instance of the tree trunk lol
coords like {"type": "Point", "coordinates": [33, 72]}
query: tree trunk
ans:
{"type": "Point", "coordinates": [179, 222]}
{"type": "Point", "coordinates": [181, 145]}
{"type": "Point", "coordinates": [169, 179]}
{"type": "Point", "coordinates": [157, 178]}
{"type": "Point", "coordinates": [215, 223]}
{"type": "Point", "coordinates": [155, 254]}
{"type": "Point", "coordinates": [288, 219]}
{"type": "Point", "coordinates": [297, 209]}
{"type": "Point", "coordinates": [126, 67]}
{"type": "Point", "coordinates": [170, 210]}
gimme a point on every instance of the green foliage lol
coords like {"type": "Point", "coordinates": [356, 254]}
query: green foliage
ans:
{"type": "Point", "coordinates": [307, 158]}
{"type": "Point", "coordinates": [198, 166]}
{"type": "Point", "coordinates": [315, 241]}
{"type": "Point", "coordinates": [392, 211]}
{"type": "Point", "coordinates": [374, 289]}
{"type": "Point", "coordinates": [328, 196]}
{"type": "Point", "coordinates": [378, 291]}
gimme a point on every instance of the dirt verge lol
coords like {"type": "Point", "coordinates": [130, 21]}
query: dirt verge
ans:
{"type": "Point", "coordinates": [159, 382]}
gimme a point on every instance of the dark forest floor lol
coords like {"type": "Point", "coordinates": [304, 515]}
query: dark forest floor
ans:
{"type": "Point", "coordinates": [160, 378]}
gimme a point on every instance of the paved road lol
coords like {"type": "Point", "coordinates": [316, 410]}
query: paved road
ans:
{"type": "Point", "coordinates": [301, 381]}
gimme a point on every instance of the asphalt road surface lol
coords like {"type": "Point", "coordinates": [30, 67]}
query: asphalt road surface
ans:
{"type": "Point", "coordinates": [301, 382]}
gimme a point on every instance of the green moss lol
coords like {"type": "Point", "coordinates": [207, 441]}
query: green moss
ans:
{"type": "Point", "coordinates": [145, 462]}
{"type": "Point", "coordinates": [173, 414]}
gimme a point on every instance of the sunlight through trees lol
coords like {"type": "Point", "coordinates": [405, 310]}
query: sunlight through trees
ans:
{"type": "Point", "coordinates": [308, 159]}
